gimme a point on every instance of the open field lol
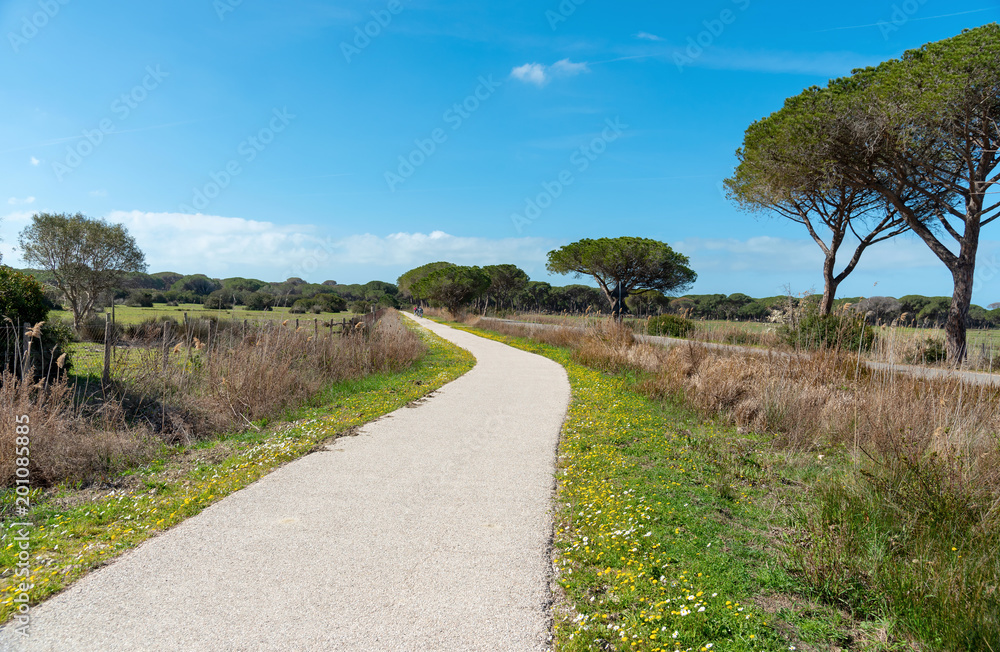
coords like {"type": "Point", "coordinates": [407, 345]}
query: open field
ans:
{"type": "Point", "coordinates": [895, 344]}
{"type": "Point", "coordinates": [134, 315]}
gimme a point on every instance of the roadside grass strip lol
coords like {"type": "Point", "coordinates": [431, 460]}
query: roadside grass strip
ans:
{"type": "Point", "coordinates": [65, 543]}
{"type": "Point", "coordinates": [657, 547]}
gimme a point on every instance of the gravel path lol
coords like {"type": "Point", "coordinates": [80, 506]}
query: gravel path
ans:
{"type": "Point", "coordinates": [430, 530]}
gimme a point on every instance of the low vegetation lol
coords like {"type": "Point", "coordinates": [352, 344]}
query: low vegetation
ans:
{"type": "Point", "coordinates": [197, 384]}
{"type": "Point", "coordinates": [78, 526]}
{"type": "Point", "coordinates": [883, 494]}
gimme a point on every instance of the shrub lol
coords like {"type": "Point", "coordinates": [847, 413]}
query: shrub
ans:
{"type": "Point", "coordinates": [259, 301]}
{"type": "Point", "coordinates": [140, 299]}
{"type": "Point", "coordinates": [836, 331]}
{"type": "Point", "coordinates": [219, 300]}
{"type": "Point", "coordinates": [22, 298]}
{"type": "Point", "coordinates": [930, 350]}
{"type": "Point", "coordinates": [669, 325]}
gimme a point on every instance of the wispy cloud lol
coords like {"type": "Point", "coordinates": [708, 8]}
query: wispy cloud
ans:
{"type": "Point", "coordinates": [98, 193]}
{"type": "Point", "coordinates": [14, 201]}
{"type": "Point", "coordinates": [540, 74]}
{"type": "Point", "coordinates": [646, 36]}
{"type": "Point", "coordinates": [35, 161]}
{"type": "Point", "coordinates": [826, 64]}
{"type": "Point", "coordinates": [909, 19]}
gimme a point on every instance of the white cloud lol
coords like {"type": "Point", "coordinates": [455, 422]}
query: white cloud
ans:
{"type": "Point", "coordinates": [540, 74]}
{"type": "Point", "coordinates": [14, 201]}
{"type": "Point", "coordinates": [646, 36]}
{"type": "Point", "coordinates": [98, 193]}
{"type": "Point", "coordinates": [231, 246]}
{"type": "Point", "coordinates": [35, 161]}
{"type": "Point", "coordinates": [566, 68]}
{"type": "Point", "coordinates": [407, 250]}
{"type": "Point", "coordinates": [530, 73]}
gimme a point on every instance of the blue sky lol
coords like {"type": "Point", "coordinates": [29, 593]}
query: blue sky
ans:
{"type": "Point", "coordinates": [358, 139]}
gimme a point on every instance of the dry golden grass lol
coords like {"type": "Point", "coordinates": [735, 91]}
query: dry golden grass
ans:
{"type": "Point", "coordinates": [86, 432]}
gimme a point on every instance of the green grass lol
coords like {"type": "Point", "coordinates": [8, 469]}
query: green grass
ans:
{"type": "Point", "coordinates": [133, 315]}
{"type": "Point", "coordinates": [667, 524]}
{"type": "Point", "coordinates": [66, 542]}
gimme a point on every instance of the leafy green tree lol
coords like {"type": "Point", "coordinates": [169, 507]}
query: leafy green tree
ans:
{"type": "Point", "coordinates": [87, 258]}
{"type": "Point", "coordinates": [198, 284]}
{"type": "Point", "coordinates": [452, 287]}
{"type": "Point", "coordinates": [624, 265]}
{"type": "Point", "coordinates": [924, 131]}
{"type": "Point", "coordinates": [506, 281]}
{"type": "Point", "coordinates": [781, 172]}
{"type": "Point", "coordinates": [536, 295]}
{"type": "Point", "coordinates": [408, 283]}
{"type": "Point", "coordinates": [221, 299]}
{"type": "Point", "coordinates": [140, 299]}
{"type": "Point", "coordinates": [259, 301]}
{"type": "Point", "coordinates": [23, 305]}
{"type": "Point", "coordinates": [240, 284]}
{"type": "Point", "coordinates": [647, 302]}
{"type": "Point", "coordinates": [22, 298]}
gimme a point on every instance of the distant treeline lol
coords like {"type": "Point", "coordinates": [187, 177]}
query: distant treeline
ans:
{"type": "Point", "coordinates": [533, 296]}
{"type": "Point", "coordinates": [140, 289]}
{"type": "Point", "coordinates": [909, 310]}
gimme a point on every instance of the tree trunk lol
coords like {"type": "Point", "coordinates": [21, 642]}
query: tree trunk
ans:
{"type": "Point", "coordinates": [829, 285]}
{"type": "Point", "coordinates": [958, 314]}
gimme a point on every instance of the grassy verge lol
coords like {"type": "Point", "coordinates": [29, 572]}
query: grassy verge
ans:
{"type": "Point", "coordinates": [672, 531]}
{"type": "Point", "coordinates": [72, 532]}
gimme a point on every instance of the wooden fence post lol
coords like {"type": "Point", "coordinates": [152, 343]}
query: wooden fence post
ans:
{"type": "Point", "coordinates": [106, 376]}
{"type": "Point", "coordinates": [166, 344]}
{"type": "Point", "coordinates": [316, 329]}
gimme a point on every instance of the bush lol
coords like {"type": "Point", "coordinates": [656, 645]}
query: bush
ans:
{"type": "Point", "coordinates": [669, 325]}
{"type": "Point", "coordinates": [22, 298]}
{"type": "Point", "coordinates": [836, 331]}
{"type": "Point", "coordinates": [140, 299]}
{"type": "Point", "coordinates": [360, 307]}
{"type": "Point", "coordinates": [927, 351]}
{"type": "Point", "coordinates": [259, 301]}
{"type": "Point", "coordinates": [219, 300]}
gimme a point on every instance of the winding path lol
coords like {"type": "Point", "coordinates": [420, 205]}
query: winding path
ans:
{"type": "Point", "coordinates": [430, 530]}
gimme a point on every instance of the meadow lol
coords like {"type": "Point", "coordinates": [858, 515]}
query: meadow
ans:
{"type": "Point", "coordinates": [137, 315]}
{"type": "Point", "coordinates": [831, 507]}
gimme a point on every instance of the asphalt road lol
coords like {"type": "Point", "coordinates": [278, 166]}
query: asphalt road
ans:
{"type": "Point", "coordinates": [430, 530]}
